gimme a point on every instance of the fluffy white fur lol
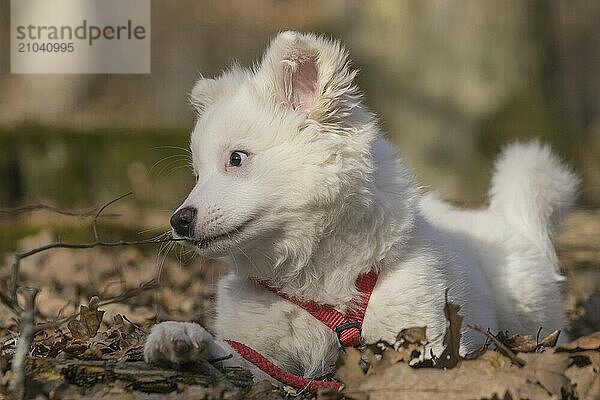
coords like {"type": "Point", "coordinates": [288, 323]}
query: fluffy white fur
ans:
{"type": "Point", "coordinates": [322, 197]}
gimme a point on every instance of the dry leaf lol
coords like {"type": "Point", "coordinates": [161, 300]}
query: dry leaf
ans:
{"type": "Point", "coordinates": [94, 302]}
{"type": "Point", "coordinates": [521, 343]}
{"type": "Point", "coordinates": [450, 356]}
{"type": "Point", "coordinates": [548, 370]}
{"type": "Point", "coordinates": [415, 335]}
{"type": "Point", "coordinates": [89, 320]}
{"type": "Point", "coordinates": [406, 353]}
{"type": "Point", "coordinates": [75, 349]}
{"type": "Point", "coordinates": [78, 330]}
{"type": "Point", "coordinates": [472, 379]}
{"type": "Point", "coordinates": [350, 371]}
{"type": "Point", "coordinates": [94, 352]}
{"type": "Point", "coordinates": [591, 342]}
{"type": "Point", "coordinates": [586, 378]}
{"type": "Point", "coordinates": [550, 340]}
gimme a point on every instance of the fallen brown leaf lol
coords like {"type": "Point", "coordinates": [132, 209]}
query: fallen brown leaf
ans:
{"type": "Point", "coordinates": [586, 378]}
{"type": "Point", "coordinates": [450, 356]}
{"type": "Point", "coordinates": [472, 379]}
{"type": "Point", "coordinates": [415, 335]}
{"type": "Point", "coordinates": [521, 343]}
{"type": "Point", "coordinates": [78, 330]}
{"type": "Point", "coordinates": [550, 340]}
{"type": "Point", "coordinates": [548, 370]}
{"type": "Point", "coordinates": [89, 321]}
{"type": "Point", "coordinates": [591, 342]}
{"type": "Point", "coordinates": [348, 366]}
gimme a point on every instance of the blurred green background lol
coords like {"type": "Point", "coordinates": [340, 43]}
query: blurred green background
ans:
{"type": "Point", "coordinates": [450, 80]}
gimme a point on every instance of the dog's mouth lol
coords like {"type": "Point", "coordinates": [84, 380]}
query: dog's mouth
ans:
{"type": "Point", "coordinates": [230, 234]}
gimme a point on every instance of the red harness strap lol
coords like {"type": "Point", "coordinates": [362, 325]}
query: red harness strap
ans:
{"type": "Point", "coordinates": [347, 328]}
{"type": "Point", "coordinates": [279, 373]}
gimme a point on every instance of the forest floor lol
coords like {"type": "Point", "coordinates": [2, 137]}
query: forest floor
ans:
{"type": "Point", "coordinates": [95, 306]}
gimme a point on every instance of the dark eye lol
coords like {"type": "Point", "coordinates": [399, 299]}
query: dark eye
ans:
{"type": "Point", "coordinates": [236, 158]}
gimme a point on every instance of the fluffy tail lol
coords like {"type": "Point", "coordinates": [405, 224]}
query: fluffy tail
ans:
{"type": "Point", "coordinates": [533, 189]}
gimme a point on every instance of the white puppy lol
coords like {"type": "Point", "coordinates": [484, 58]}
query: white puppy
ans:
{"type": "Point", "coordinates": [296, 186]}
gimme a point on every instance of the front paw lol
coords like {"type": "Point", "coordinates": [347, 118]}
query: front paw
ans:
{"type": "Point", "coordinates": [177, 343]}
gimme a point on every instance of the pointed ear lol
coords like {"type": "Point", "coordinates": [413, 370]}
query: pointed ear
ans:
{"type": "Point", "coordinates": [309, 74]}
{"type": "Point", "coordinates": [204, 92]}
{"type": "Point", "coordinates": [207, 91]}
{"type": "Point", "coordinates": [300, 81]}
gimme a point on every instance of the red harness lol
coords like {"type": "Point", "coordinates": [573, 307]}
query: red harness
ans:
{"type": "Point", "coordinates": [346, 326]}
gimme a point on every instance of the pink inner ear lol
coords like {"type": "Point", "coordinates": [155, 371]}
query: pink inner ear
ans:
{"type": "Point", "coordinates": [301, 86]}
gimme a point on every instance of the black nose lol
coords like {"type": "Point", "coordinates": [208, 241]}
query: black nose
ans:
{"type": "Point", "coordinates": [183, 221]}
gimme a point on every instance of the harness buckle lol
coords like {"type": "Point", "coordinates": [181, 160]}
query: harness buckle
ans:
{"type": "Point", "coordinates": [348, 325]}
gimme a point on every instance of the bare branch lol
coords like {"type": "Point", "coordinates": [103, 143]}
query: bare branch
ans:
{"type": "Point", "coordinates": [94, 222]}
{"type": "Point", "coordinates": [19, 256]}
{"type": "Point", "coordinates": [152, 284]}
{"type": "Point", "coordinates": [90, 245]}
{"type": "Point", "coordinates": [17, 384]}
{"type": "Point", "coordinates": [15, 212]}
{"type": "Point", "coordinates": [501, 346]}
{"type": "Point", "coordinates": [13, 304]}
{"type": "Point", "coordinates": [26, 314]}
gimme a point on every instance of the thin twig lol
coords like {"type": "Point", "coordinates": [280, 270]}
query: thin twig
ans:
{"type": "Point", "coordinates": [117, 299]}
{"type": "Point", "coordinates": [19, 256]}
{"type": "Point", "coordinates": [501, 346]}
{"type": "Point", "coordinates": [15, 212]}
{"type": "Point", "coordinates": [537, 336]}
{"type": "Point", "coordinates": [219, 359]}
{"type": "Point", "coordinates": [27, 314]}
{"type": "Point", "coordinates": [136, 326]}
{"type": "Point", "coordinates": [94, 222]}
{"type": "Point", "coordinates": [12, 302]}
{"type": "Point", "coordinates": [17, 384]}
{"type": "Point", "coordinates": [90, 245]}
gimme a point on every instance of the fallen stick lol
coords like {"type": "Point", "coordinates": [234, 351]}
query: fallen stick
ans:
{"type": "Point", "coordinates": [501, 346]}
{"type": "Point", "coordinates": [17, 385]}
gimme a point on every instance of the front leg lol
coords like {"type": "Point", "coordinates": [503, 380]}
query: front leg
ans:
{"type": "Point", "coordinates": [177, 343]}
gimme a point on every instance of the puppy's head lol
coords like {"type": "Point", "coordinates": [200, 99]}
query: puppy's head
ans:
{"type": "Point", "coordinates": [277, 150]}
